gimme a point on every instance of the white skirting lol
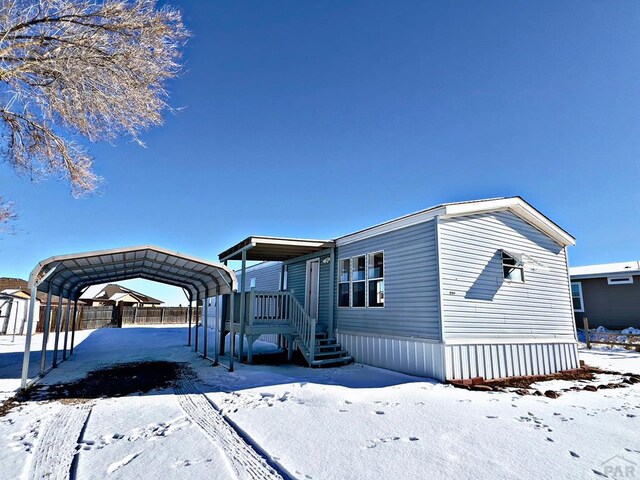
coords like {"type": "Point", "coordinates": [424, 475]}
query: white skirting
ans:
{"type": "Point", "coordinates": [508, 360]}
{"type": "Point", "coordinates": [406, 355]}
{"type": "Point", "coordinates": [448, 362]}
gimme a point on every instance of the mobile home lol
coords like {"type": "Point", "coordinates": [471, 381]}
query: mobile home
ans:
{"type": "Point", "coordinates": [459, 290]}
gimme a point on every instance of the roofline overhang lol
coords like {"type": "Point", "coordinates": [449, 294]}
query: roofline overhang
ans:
{"type": "Point", "coordinates": [275, 243]}
{"type": "Point", "coordinates": [517, 205]}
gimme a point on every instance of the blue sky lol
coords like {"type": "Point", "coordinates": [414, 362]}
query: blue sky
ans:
{"type": "Point", "coordinates": [315, 119]}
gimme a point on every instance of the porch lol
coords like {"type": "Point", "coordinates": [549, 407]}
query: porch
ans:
{"type": "Point", "coordinates": [279, 312]}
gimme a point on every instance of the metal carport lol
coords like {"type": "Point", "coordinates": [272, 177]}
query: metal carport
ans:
{"type": "Point", "coordinates": [68, 275]}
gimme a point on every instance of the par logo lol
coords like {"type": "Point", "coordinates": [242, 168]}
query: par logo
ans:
{"type": "Point", "coordinates": [620, 467]}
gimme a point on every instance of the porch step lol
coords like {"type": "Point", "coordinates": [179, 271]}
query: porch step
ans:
{"type": "Point", "coordinates": [328, 348]}
{"type": "Point", "coordinates": [334, 354]}
{"type": "Point", "coordinates": [333, 362]}
{"type": "Point", "coordinates": [325, 341]}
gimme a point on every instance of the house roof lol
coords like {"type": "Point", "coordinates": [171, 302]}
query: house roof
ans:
{"type": "Point", "coordinates": [72, 273]}
{"type": "Point", "coordinates": [605, 270]}
{"type": "Point", "coordinates": [114, 292]}
{"type": "Point", "coordinates": [273, 248]}
{"type": "Point", "coordinates": [516, 205]}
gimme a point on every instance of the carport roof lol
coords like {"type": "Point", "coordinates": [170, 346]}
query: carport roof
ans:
{"type": "Point", "coordinates": [72, 273]}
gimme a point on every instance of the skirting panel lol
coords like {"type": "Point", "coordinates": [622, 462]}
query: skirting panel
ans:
{"type": "Point", "coordinates": [269, 337]}
{"type": "Point", "coordinates": [507, 360]}
{"type": "Point", "coordinates": [410, 356]}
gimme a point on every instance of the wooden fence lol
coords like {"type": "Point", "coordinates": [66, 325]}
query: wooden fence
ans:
{"type": "Point", "coordinates": [610, 338]}
{"type": "Point", "coordinates": [90, 317]}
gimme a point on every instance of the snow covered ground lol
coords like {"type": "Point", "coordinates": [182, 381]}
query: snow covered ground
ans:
{"type": "Point", "coordinates": [349, 423]}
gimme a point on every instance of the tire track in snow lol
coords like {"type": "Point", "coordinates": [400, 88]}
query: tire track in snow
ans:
{"type": "Point", "coordinates": [245, 461]}
{"type": "Point", "coordinates": [56, 448]}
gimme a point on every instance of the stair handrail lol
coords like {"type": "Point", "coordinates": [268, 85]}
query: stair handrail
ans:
{"type": "Point", "coordinates": [305, 326]}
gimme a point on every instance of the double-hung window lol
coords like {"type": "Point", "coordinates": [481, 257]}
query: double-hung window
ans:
{"type": "Point", "coordinates": [576, 296]}
{"type": "Point", "coordinates": [361, 281]}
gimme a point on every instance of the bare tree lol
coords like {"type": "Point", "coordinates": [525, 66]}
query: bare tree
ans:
{"type": "Point", "coordinates": [81, 69]}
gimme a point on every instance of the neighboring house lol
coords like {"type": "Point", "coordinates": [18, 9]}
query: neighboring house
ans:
{"type": "Point", "coordinates": [460, 290]}
{"type": "Point", "coordinates": [608, 294]}
{"type": "Point", "coordinates": [113, 294]}
{"type": "Point", "coordinates": [14, 306]}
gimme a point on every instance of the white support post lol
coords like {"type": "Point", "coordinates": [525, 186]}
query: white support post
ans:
{"type": "Point", "coordinates": [190, 317]}
{"type": "Point", "coordinates": [66, 328]}
{"type": "Point", "coordinates": [332, 279]}
{"type": "Point", "coordinates": [45, 334]}
{"type": "Point", "coordinates": [205, 325]}
{"type": "Point", "coordinates": [195, 336]}
{"type": "Point", "coordinates": [218, 329]}
{"type": "Point", "coordinates": [242, 305]}
{"type": "Point", "coordinates": [58, 324]}
{"type": "Point", "coordinates": [27, 345]}
{"type": "Point", "coordinates": [73, 325]}
{"type": "Point", "coordinates": [232, 330]}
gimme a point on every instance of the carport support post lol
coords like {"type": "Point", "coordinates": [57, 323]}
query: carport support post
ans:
{"type": "Point", "coordinates": [217, 326]}
{"type": "Point", "coordinates": [66, 328]}
{"type": "Point", "coordinates": [242, 305]}
{"type": "Point", "coordinates": [45, 334]}
{"type": "Point", "coordinates": [58, 322]}
{"type": "Point", "coordinates": [27, 345]}
{"type": "Point", "coordinates": [232, 330]}
{"type": "Point", "coordinates": [73, 325]}
{"type": "Point", "coordinates": [205, 324]}
{"type": "Point", "coordinates": [189, 315]}
{"type": "Point", "coordinates": [197, 317]}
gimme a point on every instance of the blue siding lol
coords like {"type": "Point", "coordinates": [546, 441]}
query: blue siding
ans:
{"type": "Point", "coordinates": [267, 275]}
{"type": "Point", "coordinates": [411, 285]}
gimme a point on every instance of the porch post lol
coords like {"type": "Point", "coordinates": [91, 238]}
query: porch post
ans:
{"type": "Point", "coordinates": [45, 334]}
{"type": "Point", "coordinates": [332, 279]}
{"type": "Point", "coordinates": [58, 324]}
{"type": "Point", "coordinates": [66, 328]}
{"type": "Point", "coordinates": [217, 328]}
{"type": "Point", "coordinates": [73, 325]}
{"type": "Point", "coordinates": [27, 345]}
{"type": "Point", "coordinates": [232, 330]}
{"type": "Point", "coordinates": [242, 305]}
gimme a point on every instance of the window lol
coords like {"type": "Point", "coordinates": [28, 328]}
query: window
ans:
{"type": "Point", "coordinates": [576, 296]}
{"type": "Point", "coordinates": [343, 283]}
{"type": "Point", "coordinates": [376, 279]}
{"type": "Point", "coordinates": [361, 281]}
{"type": "Point", "coordinates": [358, 277]}
{"type": "Point", "coordinates": [619, 280]}
{"type": "Point", "coordinates": [253, 283]}
{"type": "Point", "coordinates": [512, 267]}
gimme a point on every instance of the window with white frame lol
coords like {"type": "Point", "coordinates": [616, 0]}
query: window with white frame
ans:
{"type": "Point", "coordinates": [620, 280]}
{"type": "Point", "coordinates": [375, 279]}
{"type": "Point", "coordinates": [512, 267]}
{"type": "Point", "coordinates": [361, 281]}
{"type": "Point", "coordinates": [576, 296]}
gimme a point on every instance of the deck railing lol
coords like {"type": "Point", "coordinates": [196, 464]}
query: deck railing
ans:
{"type": "Point", "coordinates": [283, 307]}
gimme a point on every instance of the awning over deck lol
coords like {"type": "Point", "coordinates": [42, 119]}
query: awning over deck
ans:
{"type": "Point", "coordinates": [274, 248]}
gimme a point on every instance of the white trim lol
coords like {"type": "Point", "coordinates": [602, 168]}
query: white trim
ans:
{"type": "Point", "coordinates": [617, 280]}
{"type": "Point", "coordinates": [515, 204]}
{"type": "Point", "coordinates": [439, 276]}
{"type": "Point", "coordinates": [509, 341]}
{"type": "Point", "coordinates": [342, 331]}
{"type": "Point", "coordinates": [581, 309]}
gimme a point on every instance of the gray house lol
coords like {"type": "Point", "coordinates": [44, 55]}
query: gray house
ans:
{"type": "Point", "coordinates": [459, 290]}
{"type": "Point", "coordinates": [607, 294]}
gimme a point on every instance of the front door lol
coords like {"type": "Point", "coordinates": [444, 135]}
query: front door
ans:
{"type": "Point", "coordinates": [313, 284]}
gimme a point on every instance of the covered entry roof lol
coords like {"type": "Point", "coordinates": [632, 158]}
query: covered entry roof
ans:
{"type": "Point", "coordinates": [70, 274]}
{"type": "Point", "coordinates": [274, 248]}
